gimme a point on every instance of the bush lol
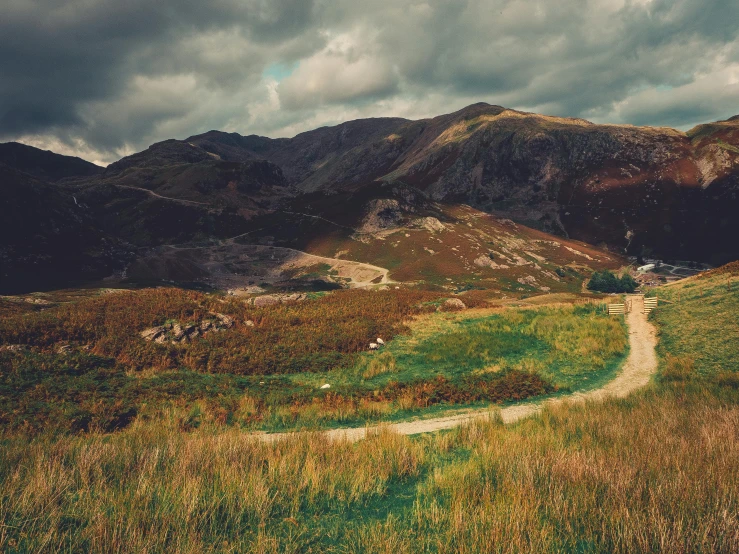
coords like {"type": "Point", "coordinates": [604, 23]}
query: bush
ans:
{"type": "Point", "coordinates": [606, 281]}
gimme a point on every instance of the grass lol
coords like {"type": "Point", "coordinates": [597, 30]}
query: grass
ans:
{"type": "Point", "coordinates": [85, 367]}
{"type": "Point", "coordinates": [566, 344]}
{"type": "Point", "coordinates": [700, 320]}
{"type": "Point", "coordinates": [657, 471]}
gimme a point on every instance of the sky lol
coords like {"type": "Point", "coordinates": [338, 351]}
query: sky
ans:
{"type": "Point", "coordinates": [101, 79]}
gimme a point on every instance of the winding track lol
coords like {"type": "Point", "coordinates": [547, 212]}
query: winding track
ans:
{"type": "Point", "coordinates": [639, 367]}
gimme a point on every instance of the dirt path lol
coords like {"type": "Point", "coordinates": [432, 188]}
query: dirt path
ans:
{"type": "Point", "coordinates": [338, 263]}
{"type": "Point", "coordinates": [152, 193]}
{"type": "Point", "coordinates": [636, 372]}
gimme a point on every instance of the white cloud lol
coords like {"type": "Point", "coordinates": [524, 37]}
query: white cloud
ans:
{"type": "Point", "coordinates": [345, 70]}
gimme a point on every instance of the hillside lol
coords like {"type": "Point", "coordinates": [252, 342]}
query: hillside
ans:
{"type": "Point", "coordinates": [44, 164]}
{"type": "Point", "coordinates": [318, 240]}
{"type": "Point", "coordinates": [646, 190]}
{"type": "Point", "coordinates": [49, 238]}
{"type": "Point", "coordinates": [353, 191]}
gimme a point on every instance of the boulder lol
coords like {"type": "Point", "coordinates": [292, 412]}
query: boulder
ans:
{"type": "Point", "coordinates": [177, 332]}
{"type": "Point", "coordinates": [454, 304]}
{"type": "Point", "coordinates": [225, 320]}
{"type": "Point", "coordinates": [153, 333]}
{"type": "Point", "coordinates": [430, 224]}
{"type": "Point", "coordinates": [14, 348]}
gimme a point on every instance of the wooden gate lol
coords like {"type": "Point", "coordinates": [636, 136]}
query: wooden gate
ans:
{"type": "Point", "coordinates": [650, 304]}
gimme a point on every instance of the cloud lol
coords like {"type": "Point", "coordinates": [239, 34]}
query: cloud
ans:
{"type": "Point", "coordinates": [344, 71]}
{"type": "Point", "coordinates": [101, 79]}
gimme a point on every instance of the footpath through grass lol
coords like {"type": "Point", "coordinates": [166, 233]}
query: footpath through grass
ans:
{"type": "Point", "coordinates": [656, 472]}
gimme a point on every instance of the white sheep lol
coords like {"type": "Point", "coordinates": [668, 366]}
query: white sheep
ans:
{"type": "Point", "coordinates": [380, 341]}
{"type": "Point", "coordinates": [374, 346]}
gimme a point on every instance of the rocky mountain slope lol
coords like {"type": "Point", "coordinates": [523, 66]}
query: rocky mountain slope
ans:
{"type": "Point", "coordinates": [637, 189]}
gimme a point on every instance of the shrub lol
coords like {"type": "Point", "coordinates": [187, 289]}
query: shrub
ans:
{"type": "Point", "coordinates": [606, 281]}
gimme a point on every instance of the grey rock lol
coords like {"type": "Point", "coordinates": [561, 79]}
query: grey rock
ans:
{"type": "Point", "coordinates": [454, 304]}
{"type": "Point", "coordinates": [153, 333]}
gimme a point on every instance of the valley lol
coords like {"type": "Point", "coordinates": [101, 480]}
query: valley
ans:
{"type": "Point", "coordinates": [386, 335]}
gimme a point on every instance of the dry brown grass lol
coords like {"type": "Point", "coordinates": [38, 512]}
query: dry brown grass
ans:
{"type": "Point", "coordinates": [654, 473]}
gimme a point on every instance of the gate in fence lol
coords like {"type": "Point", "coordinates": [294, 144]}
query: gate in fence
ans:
{"type": "Point", "coordinates": [650, 304]}
{"type": "Point", "coordinates": [618, 309]}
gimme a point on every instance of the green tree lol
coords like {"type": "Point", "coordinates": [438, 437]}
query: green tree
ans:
{"type": "Point", "coordinates": [606, 281]}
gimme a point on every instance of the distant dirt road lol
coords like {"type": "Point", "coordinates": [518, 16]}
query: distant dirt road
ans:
{"type": "Point", "coordinates": [636, 372]}
{"type": "Point", "coordinates": [152, 193]}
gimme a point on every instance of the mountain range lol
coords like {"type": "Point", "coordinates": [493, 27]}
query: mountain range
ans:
{"type": "Point", "coordinates": [641, 191]}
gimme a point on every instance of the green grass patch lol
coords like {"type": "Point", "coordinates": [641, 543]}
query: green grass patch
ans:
{"type": "Point", "coordinates": [700, 321]}
{"type": "Point", "coordinates": [571, 346]}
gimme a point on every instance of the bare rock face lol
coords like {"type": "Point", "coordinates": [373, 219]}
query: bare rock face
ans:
{"type": "Point", "coordinates": [382, 213]}
{"type": "Point", "coordinates": [454, 304]}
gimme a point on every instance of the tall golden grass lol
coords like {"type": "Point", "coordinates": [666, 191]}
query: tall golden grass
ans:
{"type": "Point", "coordinates": [655, 473]}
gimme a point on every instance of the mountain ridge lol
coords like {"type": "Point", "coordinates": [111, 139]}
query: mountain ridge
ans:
{"type": "Point", "coordinates": [45, 164]}
{"type": "Point", "coordinates": [640, 191]}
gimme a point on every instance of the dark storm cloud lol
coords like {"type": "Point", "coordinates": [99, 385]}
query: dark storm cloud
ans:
{"type": "Point", "coordinates": [101, 78]}
{"type": "Point", "coordinates": [56, 56]}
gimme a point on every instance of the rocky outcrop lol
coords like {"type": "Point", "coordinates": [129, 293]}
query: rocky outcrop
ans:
{"type": "Point", "coordinates": [272, 299]}
{"type": "Point", "coordinates": [429, 223]}
{"type": "Point", "coordinates": [382, 214]}
{"type": "Point", "coordinates": [174, 332]}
